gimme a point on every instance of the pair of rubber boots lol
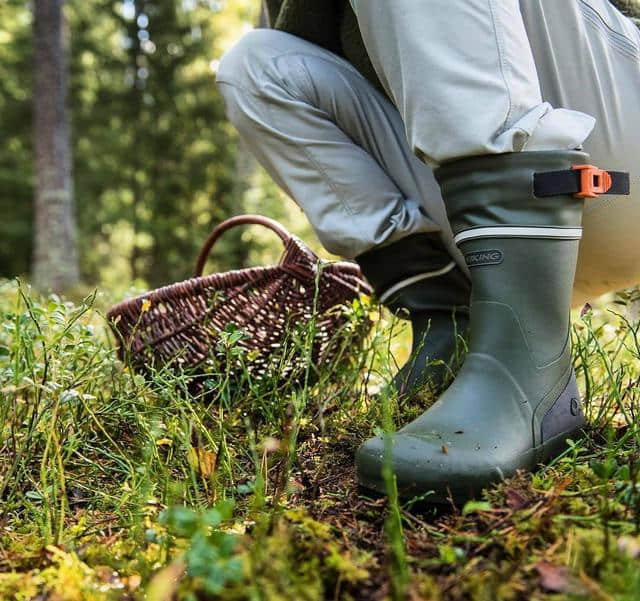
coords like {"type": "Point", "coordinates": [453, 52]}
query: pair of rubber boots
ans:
{"type": "Point", "coordinates": [514, 402]}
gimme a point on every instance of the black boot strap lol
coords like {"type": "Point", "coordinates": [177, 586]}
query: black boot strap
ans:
{"type": "Point", "coordinates": [583, 181]}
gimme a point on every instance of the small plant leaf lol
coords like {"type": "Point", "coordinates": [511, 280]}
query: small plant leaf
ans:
{"type": "Point", "coordinates": [475, 506]}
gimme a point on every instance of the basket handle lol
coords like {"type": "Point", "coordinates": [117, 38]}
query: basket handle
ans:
{"type": "Point", "coordinates": [274, 226]}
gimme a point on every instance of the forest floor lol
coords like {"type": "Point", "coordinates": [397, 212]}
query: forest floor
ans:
{"type": "Point", "coordinates": [119, 486]}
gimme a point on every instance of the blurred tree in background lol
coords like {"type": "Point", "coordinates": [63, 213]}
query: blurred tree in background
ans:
{"type": "Point", "coordinates": [155, 163]}
{"type": "Point", "coordinates": [55, 249]}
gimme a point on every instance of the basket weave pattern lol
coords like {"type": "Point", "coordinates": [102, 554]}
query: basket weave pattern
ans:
{"type": "Point", "coordinates": [181, 324]}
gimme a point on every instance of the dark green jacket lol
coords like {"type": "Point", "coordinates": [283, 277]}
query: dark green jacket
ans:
{"type": "Point", "coordinates": [332, 25]}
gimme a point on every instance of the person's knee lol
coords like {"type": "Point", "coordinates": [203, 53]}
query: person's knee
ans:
{"type": "Point", "coordinates": [237, 73]}
{"type": "Point", "coordinates": [248, 58]}
{"type": "Point", "coordinates": [245, 69]}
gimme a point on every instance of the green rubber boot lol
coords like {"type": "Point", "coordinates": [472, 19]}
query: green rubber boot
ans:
{"type": "Point", "coordinates": [515, 401]}
{"type": "Point", "coordinates": [417, 280]}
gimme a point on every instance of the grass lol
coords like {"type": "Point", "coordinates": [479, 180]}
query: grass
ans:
{"type": "Point", "coordinates": [117, 486]}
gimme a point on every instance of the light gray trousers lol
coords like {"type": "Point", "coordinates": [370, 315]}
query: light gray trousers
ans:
{"type": "Point", "coordinates": [466, 77]}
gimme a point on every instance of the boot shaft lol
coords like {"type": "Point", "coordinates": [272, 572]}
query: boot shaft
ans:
{"type": "Point", "coordinates": [521, 251]}
{"type": "Point", "coordinates": [525, 296]}
{"type": "Point", "coordinates": [493, 196]}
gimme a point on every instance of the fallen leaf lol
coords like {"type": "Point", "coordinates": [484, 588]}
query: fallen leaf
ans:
{"type": "Point", "coordinates": [202, 460]}
{"type": "Point", "coordinates": [165, 583]}
{"type": "Point", "coordinates": [516, 500]}
{"type": "Point", "coordinates": [295, 486]}
{"type": "Point", "coordinates": [553, 578]}
{"type": "Point", "coordinates": [559, 488]}
{"type": "Point", "coordinates": [133, 582]}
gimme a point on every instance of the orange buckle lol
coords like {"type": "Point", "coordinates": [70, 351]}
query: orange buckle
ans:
{"type": "Point", "coordinates": [593, 181]}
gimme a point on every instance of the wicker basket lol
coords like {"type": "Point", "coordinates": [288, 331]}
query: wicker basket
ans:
{"type": "Point", "coordinates": [260, 311]}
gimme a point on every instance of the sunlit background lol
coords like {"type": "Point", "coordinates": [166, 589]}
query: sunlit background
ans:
{"type": "Point", "coordinates": [155, 164]}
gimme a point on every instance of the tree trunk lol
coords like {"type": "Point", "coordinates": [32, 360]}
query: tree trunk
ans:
{"type": "Point", "coordinates": [264, 16]}
{"type": "Point", "coordinates": [55, 258]}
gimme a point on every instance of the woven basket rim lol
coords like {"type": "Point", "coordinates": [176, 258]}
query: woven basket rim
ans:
{"type": "Point", "coordinates": [189, 286]}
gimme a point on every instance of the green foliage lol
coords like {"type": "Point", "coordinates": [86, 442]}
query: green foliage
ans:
{"type": "Point", "coordinates": [16, 189]}
{"type": "Point", "coordinates": [154, 159]}
{"type": "Point", "coordinates": [166, 154]}
{"type": "Point", "coordinates": [210, 559]}
{"type": "Point", "coordinates": [113, 484]}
